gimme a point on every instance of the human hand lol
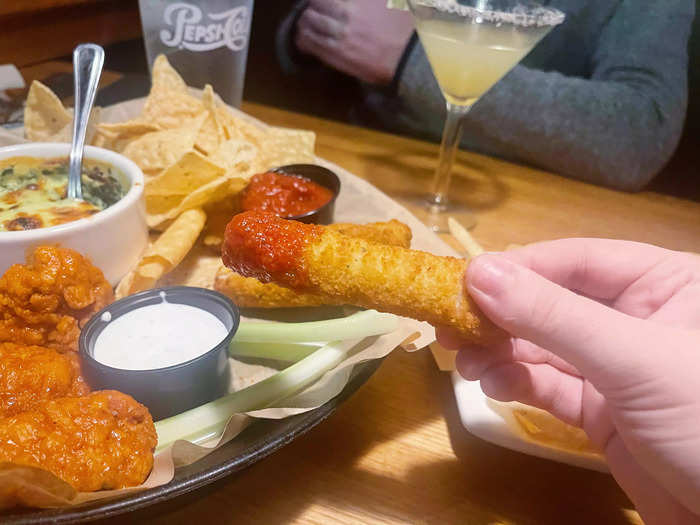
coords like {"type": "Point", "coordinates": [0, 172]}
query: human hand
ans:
{"type": "Point", "coordinates": [362, 38]}
{"type": "Point", "coordinates": [606, 337]}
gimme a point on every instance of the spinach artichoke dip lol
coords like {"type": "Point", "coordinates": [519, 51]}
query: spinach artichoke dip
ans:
{"type": "Point", "coordinates": [33, 192]}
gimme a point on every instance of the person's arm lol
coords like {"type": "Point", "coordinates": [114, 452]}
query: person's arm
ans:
{"type": "Point", "coordinates": [617, 128]}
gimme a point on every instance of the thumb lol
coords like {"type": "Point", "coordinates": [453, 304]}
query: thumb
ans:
{"type": "Point", "coordinates": [609, 348]}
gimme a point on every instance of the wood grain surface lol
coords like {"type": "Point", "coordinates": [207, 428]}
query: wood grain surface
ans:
{"type": "Point", "coordinates": [396, 451]}
{"type": "Point", "coordinates": [35, 31]}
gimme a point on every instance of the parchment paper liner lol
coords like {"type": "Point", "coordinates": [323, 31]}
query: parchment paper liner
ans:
{"type": "Point", "coordinates": [358, 202]}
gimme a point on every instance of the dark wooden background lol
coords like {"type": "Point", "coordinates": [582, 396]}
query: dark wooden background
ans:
{"type": "Point", "coordinates": [32, 32]}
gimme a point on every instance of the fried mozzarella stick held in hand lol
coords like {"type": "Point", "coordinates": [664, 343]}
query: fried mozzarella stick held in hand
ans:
{"type": "Point", "coordinates": [248, 292]}
{"type": "Point", "coordinates": [387, 278]}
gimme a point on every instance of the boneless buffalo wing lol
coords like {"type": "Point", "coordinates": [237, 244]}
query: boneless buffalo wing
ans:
{"type": "Point", "coordinates": [31, 375]}
{"type": "Point", "coordinates": [104, 440]}
{"type": "Point", "coordinates": [45, 301]}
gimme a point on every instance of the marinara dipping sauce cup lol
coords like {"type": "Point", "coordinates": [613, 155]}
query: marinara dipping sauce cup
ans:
{"type": "Point", "coordinates": [319, 175]}
{"type": "Point", "coordinates": [167, 348]}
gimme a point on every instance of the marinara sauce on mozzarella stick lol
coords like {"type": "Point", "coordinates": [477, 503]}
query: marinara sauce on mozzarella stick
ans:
{"type": "Point", "coordinates": [393, 279]}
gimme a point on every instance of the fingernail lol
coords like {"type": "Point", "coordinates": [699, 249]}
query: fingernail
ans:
{"type": "Point", "coordinates": [490, 274]}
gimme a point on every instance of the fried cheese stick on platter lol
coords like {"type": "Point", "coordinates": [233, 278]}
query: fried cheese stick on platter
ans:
{"type": "Point", "coordinates": [104, 440]}
{"type": "Point", "coordinates": [248, 292]}
{"type": "Point", "coordinates": [31, 375]}
{"type": "Point", "coordinates": [386, 278]}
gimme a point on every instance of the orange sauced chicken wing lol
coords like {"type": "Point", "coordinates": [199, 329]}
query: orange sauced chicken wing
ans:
{"type": "Point", "coordinates": [104, 440]}
{"type": "Point", "coordinates": [45, 301]}
{"type": "Point", "coordinates": [31, 375]}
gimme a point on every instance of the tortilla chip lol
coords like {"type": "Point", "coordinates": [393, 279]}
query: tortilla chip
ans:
{"type": "Point", "coordinates": [165, 253]}
{"type": "Point", "coordinates": [198, 269]}
{"type": "Point", "coordinates": [238, 157]}
{"type": "Point", "coordinates": [190, 183]}
{"type": "Point", "coordinates": [164, 77]}
{"type": "Point", "coordinates": [157, 205]}
{"type": "Point", "coordinates": [219, 214]}
{"type": "Point", "coordinates": [211, 133]}
{"type": "Point", "coordinates": [157, 150]}
{"type": "Point", "coordinates": [192, 171]}
{"type": "Point", "coordinates": [207, 193]}
{"type": "Point", "coordinates": [208, 138]}
{"type": "Point", "coordinates": [169, 104]}
{"type": "Point", "coordinates": [128, 127]}
{"type": "Point", "coordinates": [117, 135]}
{"type": "Point", "coordinates": [238, 127]}
{"type": "Point", "coordinates": [542, 427]}
{"type": "Point", "coordinates": [44, 114]}
{"type": "Point", "coordinates": [66, 134]}
{"type": "Point", "coordinates": [288, 146]}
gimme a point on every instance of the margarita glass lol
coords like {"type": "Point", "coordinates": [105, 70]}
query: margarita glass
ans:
{"type": "Point", "coordinates": [470, 45]}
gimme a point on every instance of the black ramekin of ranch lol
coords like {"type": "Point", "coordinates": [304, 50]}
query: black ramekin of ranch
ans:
{"type": "Point", "coordinates": [167, 348]}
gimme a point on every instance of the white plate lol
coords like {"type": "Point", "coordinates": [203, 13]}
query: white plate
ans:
{"type": "Point", "coordinates": [493, 421]}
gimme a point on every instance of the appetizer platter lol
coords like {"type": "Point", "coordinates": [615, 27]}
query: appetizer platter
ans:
{"type": "Point", "coordinates": [218, 292]}
{"type": "Point", "coordinates": [133, 363]}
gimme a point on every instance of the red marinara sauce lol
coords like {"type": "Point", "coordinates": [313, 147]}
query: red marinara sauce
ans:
{"type": "Point", "coordinates": [284, 195]}
{"type": "Point", "coordinates": [260, 244]}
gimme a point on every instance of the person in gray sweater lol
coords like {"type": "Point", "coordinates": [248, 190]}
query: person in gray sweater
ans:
{"type": "Point", "coordinates": [602, 98]}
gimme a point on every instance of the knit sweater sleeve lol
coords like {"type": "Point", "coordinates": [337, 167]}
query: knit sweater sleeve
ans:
{"type": "Point", "coordinates": [618, 127]}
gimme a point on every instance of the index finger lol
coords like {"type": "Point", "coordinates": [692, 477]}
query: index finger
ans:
{"type": "Point", "coordinates": [336, 9]}
{"type": "Point", "coordinates": [599, 268]}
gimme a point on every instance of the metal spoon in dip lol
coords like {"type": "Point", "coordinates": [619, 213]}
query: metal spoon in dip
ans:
{"type": "Point", "coordinates": [87, 67]}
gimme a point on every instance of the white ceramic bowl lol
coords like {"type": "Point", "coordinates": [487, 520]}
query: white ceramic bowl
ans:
{"type": "Point", "coordinates": [113, 238]}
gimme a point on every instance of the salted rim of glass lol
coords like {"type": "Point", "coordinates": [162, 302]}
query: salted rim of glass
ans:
{"type": "Point", "coordinates": [520, 15]}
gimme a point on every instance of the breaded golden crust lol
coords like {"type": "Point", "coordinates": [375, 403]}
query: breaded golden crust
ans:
{"type": "Point", "coordinates": [393, 232]}
{"type": "Point", "coordinates": [392, 279]}
{"type": "Point", "coordinates": [45, 301]}
{"type": "Point", "coordinates": [387, 278]}
{"type": "Point", "coordinates": [104, 440]}
{"type": "Point", "coordinates": [248, 292]}
{"type": "Point", "coordinates": [31, 375]}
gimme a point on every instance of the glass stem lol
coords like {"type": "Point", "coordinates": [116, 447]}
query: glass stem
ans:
{"type": "Point", "coordinates": [451, 135]}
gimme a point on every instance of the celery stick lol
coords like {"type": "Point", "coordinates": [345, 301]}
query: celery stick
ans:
{"type": "Point", "coordinates": [280, 351]}
{"type": "Point", "coordinates": [360, 324]}
{"type": "Point", "coordinates": [206, 421]}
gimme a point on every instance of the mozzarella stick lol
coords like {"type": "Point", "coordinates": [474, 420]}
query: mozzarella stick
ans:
{"type": "Point", "coordinates": [248, 292]}
{"type": "Point", "coordinates": [393, 232]}
{"type": "Point", "coordinates": [391, 279]}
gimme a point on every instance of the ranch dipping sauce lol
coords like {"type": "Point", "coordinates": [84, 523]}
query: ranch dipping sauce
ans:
{"type": "Point", "coordinates": [158, 336]}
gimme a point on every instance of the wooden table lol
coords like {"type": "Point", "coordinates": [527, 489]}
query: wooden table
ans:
{"type": "Point", "coordinates": [396, 451]}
